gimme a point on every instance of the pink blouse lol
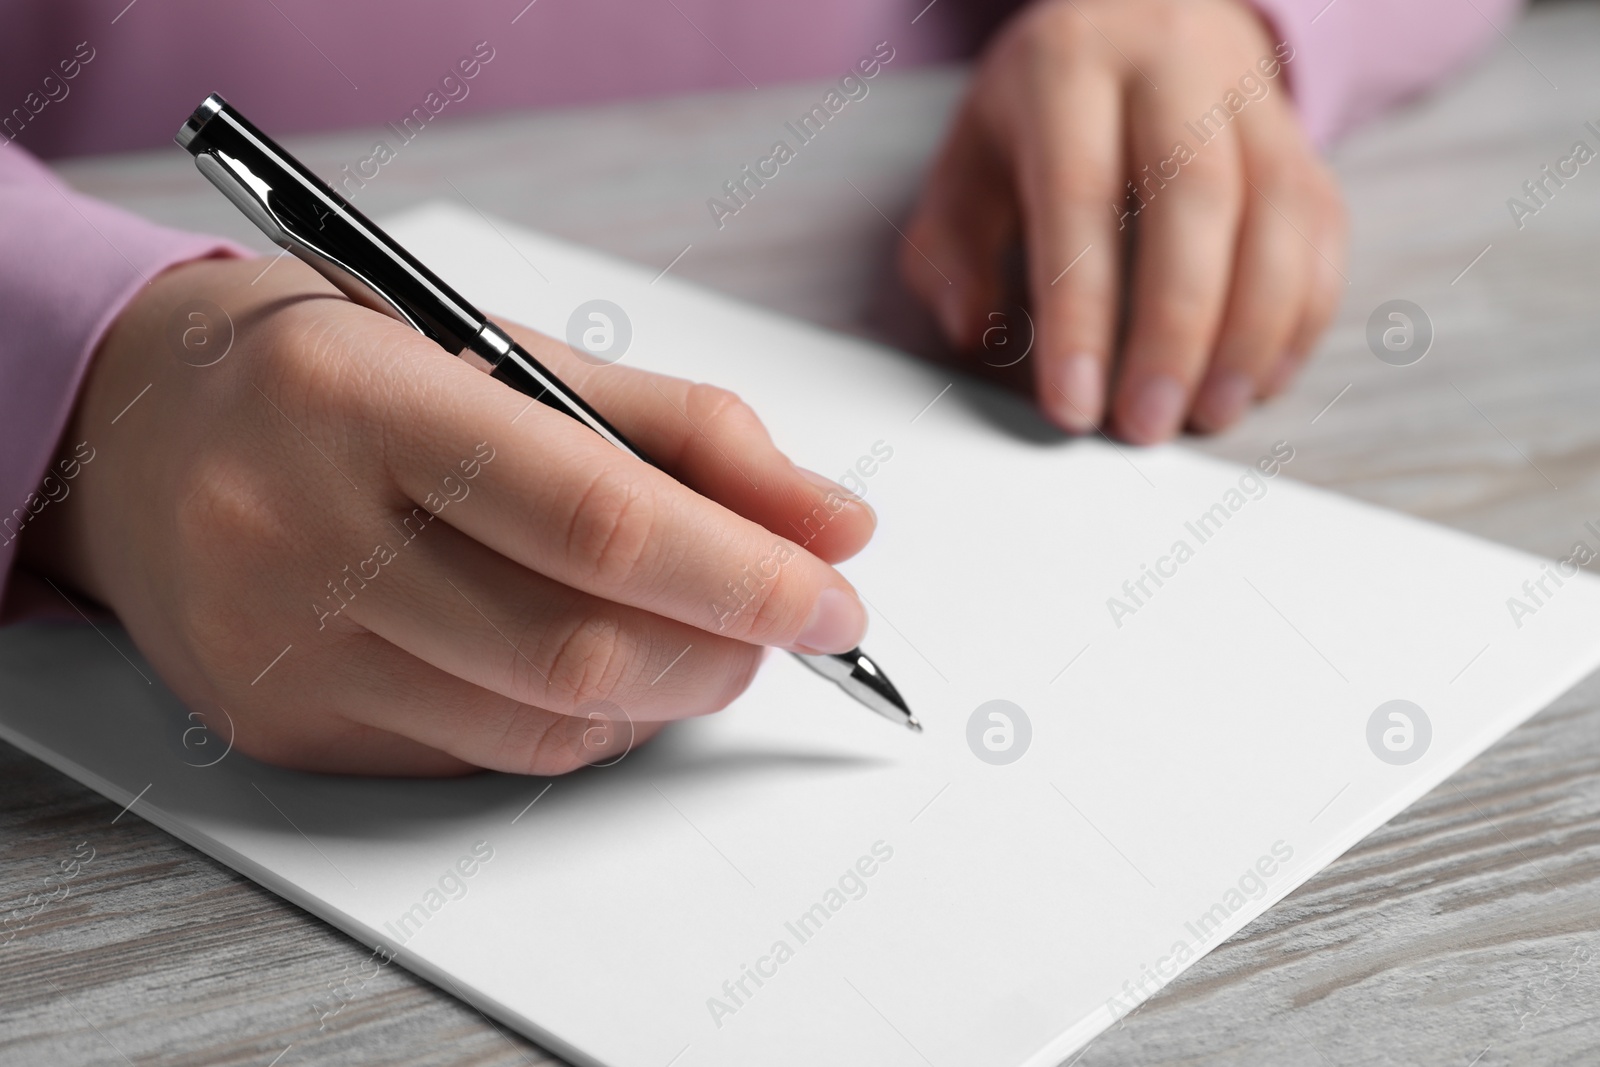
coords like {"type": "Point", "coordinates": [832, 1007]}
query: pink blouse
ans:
{"type": "Point", "coordinates": [81, 76]}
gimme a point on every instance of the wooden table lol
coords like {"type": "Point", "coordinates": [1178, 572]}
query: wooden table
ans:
{"type": "Point", "coordinates": [1465, 932]}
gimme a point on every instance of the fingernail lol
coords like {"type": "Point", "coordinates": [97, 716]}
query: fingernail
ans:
{"type": "Point", "coordinates": [832, 490]}
{"type": "Point", "coordinates": [1079, 392]}
{"type": "Point", "coordinates": [1223, 399]}
{"type": "Point", "coordinates": [1157, 406]}
{"type": "Point", "coordinates": [837, 623]}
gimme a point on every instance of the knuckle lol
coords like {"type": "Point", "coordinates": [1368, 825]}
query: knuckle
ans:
{"type": "Point", "coordinates": [535, 741]}
{"type": "Point", "coordinates": [1181, 313]}
{"type": "Point", "coordinates": [304, 358]}
{"type": "Point", "coordinates": [609, 536]}
{"type": "Point", "coordinates": [588, 661]}
{"type": "Point", "coordinates": [1180, 26]}
{"type": "Point", "coordinates": [722, 671]}
{"type": "Point", "coordinates": [558, 751]}
{"type": "Point", "coordinates": [532, 739]}
{"type": "Point", "coordinates": [216, 503]}
{"type": "Point", "coordinates": [1165, 35]}
{"type": "Point", "coordinates": [711, 406]}
{"type": "Point", "coordinates": [752, 604]}
{"type": "Point", "coordinates": [771, 611]}
{"type": "Point", "coordinates": [1214, 180]}
{"type": "Point", "coordinates": [1050, 34]}
{"type": "Point", "coordinates": [1257, 326]}
{"type": "Point", "coordinates": [1283, 178]}
{"type": "Point", "coordinates": [1076, 181]}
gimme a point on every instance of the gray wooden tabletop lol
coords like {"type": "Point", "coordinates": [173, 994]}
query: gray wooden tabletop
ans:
{"type": "Point", "coordinates": [1465, 933]}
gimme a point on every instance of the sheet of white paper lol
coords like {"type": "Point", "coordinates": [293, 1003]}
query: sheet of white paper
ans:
{"type": "Point", "coordinates": [1190, 762]}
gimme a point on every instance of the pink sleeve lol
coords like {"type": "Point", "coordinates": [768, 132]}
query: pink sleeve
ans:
{"type": "Point", "coordinates": [70, 265]}
{"type": "Point", "coordinates": [1354, 58]}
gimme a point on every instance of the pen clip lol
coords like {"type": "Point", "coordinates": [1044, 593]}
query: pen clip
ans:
{"type": "Point", "coordinates": [253, 196]}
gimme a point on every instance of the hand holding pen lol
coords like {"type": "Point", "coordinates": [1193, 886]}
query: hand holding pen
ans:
{"type": "Point", "coordinates": [378, 559]}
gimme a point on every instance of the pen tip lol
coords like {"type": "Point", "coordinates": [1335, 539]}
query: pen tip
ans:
{"type": "Point", "coordinates": [858, 675]}
{"type": "Point", "coordinates": [882, 691]}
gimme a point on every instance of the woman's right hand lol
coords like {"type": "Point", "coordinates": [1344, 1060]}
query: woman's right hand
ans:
{"type": "Point", "coordinates": [379, 560]}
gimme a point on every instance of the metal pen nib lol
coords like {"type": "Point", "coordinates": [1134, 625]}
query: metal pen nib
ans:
{"type": "Point", "coordinates": [856, 674]}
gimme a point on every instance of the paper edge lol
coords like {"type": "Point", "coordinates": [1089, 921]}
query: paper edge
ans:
{"type": "Point", "coordinates": [436, 977]}
{"type": "Point", "coordinates": [1078, 1036]}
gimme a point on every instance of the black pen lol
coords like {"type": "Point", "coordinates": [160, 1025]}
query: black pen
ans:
{"type": "Point", "coordinates": [302, 215]}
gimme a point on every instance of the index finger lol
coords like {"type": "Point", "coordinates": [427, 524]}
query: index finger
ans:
{"type": "Point", "coordinates": [716, 444]}
{"type": "Point", "coordinates": [556, 498]}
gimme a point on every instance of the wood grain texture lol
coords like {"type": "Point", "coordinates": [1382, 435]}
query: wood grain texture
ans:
{"type": "Point", "coordinates": [1466, 931]}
